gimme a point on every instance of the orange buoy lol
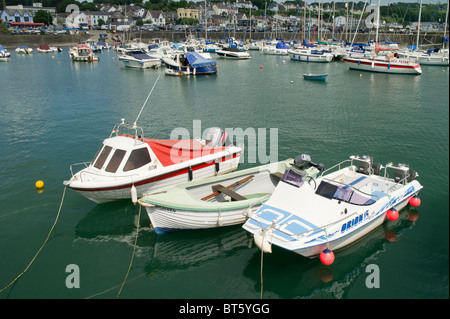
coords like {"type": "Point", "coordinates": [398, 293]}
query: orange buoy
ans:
{"type": "Point", "coordinates": [392, 214]}
{"type": "Point", "coordinates": [327, 257]}
{"type": "Point", "coordinates": [414, 201]}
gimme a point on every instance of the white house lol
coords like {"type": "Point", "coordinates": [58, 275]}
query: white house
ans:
{"type": "Point", "coordinates": [16, 15]}
{"type": "Point", "coordinates": [157, 17]}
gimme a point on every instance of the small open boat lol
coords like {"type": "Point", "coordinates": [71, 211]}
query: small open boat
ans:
{"type": "Point", "coordinates": [335, 209]}
{"type": "Point", "coordinates": [315, 77]}
{"type": "Point", "coordinates": [219, 201]}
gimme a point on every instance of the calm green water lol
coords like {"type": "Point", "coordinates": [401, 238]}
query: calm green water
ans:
{"type": "Point", "coordinates": [55, 113]}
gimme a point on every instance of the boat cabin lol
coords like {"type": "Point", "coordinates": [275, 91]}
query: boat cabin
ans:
{"type": "Point", "coordinates": [122, 154]}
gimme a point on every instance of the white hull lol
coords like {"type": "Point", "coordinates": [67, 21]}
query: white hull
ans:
{"type": "Point", "coordinates": [140, 64]}
{"type": "Point", "coordinates": [394, 66]}
{"type": "Point", "coordinates": [234, 55]}
{"type": "Point", "coordinates": [307, 56]}
{"type": "Point", "coordinates": [116, 188]}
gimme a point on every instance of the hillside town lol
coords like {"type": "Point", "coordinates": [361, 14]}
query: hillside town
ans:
{"type": "Point", "coordinates": [240, 15]}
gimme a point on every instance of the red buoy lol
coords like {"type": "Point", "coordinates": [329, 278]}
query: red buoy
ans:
{"type": "Point", "coordinates": [327, 257]}
{"type": "Point", "coordinates": [392, 214]}
{"type": "Point", "coordinates": [414, 201]}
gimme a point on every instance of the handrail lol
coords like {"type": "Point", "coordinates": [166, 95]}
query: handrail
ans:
{"type": "Point", "coordinates": [339, 164]}
{"type": "Point", "coordinates": [86, 164]}
{"type": "Point", "coordinates": [370, 195]}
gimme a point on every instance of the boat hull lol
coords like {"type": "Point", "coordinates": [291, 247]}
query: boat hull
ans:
{"type": "Point", "coordinates": [192, 206]}
{"type": "Point", "coordinates": [117, 190]}
{"type": "Point", "coordinates": [395, 66]}
{"type": "Point", "coordinates": [140, 64]}
{"type": "Point", "coordinates": [313, 252]}
{"type": "Point", "coordinates": [309, 57]}
{"type": "Point", "coordinates": [187, 70]}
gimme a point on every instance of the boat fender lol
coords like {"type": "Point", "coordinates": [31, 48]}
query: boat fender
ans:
{"type": "Point", "coordinates": [190, 177]}
{"type": "Point", "coordinates": [262, 243]}
{"type": "Point", "coordinates": [414, 201]}
{"type": "Point", "coordinates": [216, 166]}
{"type": "Point", "coordinates": [133, 194]}
{"type": "Point", "coordinates": [392, 214]}
{"type": "Point", "coordinates": [327, 257]}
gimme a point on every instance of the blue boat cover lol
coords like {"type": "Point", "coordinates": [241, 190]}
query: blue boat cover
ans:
{"type": "Point", "coordinates": [152, 46]}
{"type": "Point", "coordinates": [282, 45]}
{"type": "Point", "coordinates": [24, 47]}
{"type": "Point", "coordinates": [140, 56]}
{"type": "Point", "coordinates": [197, 61]}
{"type": "Point", "coordinates": [308, 45]}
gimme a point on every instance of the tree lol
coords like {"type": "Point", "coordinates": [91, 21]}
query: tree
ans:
{"type": "Point", "coordinates": [42, 16]}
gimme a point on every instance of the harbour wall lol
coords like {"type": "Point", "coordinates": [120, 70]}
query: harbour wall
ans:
{"type": "Point", "coordinates": [34, 40]}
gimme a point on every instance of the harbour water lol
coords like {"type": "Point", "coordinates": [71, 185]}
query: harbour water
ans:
{"type": "Point", "coordinates": [55, 113]}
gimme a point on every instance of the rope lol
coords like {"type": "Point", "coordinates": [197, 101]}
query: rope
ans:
{"type": "Point", "coordinates": [132, 256]}
{"type": "Point", "coordinates": [45, 242]}
{"type": "Point", "coordinates": [262, 254]}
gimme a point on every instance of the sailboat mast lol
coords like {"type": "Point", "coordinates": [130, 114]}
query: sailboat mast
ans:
{"type": "Point", "coordinates": [445, 26]}
{"type": "Point", "coordinates": [418, 23]}
{"type": "Point", "coordinates": [378, 22]}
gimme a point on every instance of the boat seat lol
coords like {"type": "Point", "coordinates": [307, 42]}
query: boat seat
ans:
{"type": "Point", "coordinates": [222, 189]}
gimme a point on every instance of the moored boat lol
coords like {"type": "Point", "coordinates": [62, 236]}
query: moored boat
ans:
{"type": "Point", "coordinates": [217, 201]}
{"type": "Point", "coordinates": [5, 56]}
{"type": "Point", "coordinates": [310, 55]}
{"type": "Point", "coordinates": [335, 209]}
{"type": "Point", "coordinates": [127, 166]}
{"type": "Point", "coordinates": [390, 63]}
{"type": "Point", "coordinates": [137, 58]}
{"type": "Point", "coordinates": [24, 49]}
{"type": "Point", "coordinates": [233, 53]}
{"type": "Point", "coordinates": [190, 63]}
{"type": "Point", "coordinates": [315, 77]}
{"type": "Point", "coordinates": [82, 53]}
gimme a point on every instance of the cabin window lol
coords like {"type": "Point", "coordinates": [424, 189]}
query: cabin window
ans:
{"type": "Point", "coordinates": [138, 158]}
{"type": "Point", "coordinates": [293, 178]}
{"type": "Point", "coordinates": [115, 161]}
{"type": "Point", "coordinates": [102, 157]}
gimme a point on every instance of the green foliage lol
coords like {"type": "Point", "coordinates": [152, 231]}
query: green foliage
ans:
{"type": "Point", "coordinates": [42, 16]}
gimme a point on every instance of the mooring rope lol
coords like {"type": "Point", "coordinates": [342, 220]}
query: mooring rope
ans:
{"type": "Point", "coordinates": [132, 256]}
{"type": "Point", "coordinates": [45, 242]}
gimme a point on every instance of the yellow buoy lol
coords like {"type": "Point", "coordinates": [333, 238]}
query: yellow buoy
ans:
{"type": "Point", "coordinates": [360, 75]}
{"type": "Point", "coordinates": [53, 56]}
{"type": "Point", "coordinates": [39, 184]}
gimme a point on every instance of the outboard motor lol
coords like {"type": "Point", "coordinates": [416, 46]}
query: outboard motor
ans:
{"type": "Point", "coordinates": [303, 161]}
{"type": "Point", "coordinates": [365, 164]}
{"type": "Point", "coordinates": [216, 137]}
{"type": "Point", "coordinates": [401, 171]}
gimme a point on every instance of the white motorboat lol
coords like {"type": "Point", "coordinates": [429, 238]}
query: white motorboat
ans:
{"type": "Point", "coordinates": [138, 58]}
{"type": "Point", "coordinates": [281, 48]}
{"type": "Point", "coordinates": [311, 55]}
{"type": "Point", "coordinates": [190, 63]}
{"type": "Point", "coordinates": [24, 49]}
{"type": "Point", "coordinates": [316, 216]}
{"type": "Point", "coordinates": [127, 166]}
{"type": "Point", "coordinates": [44, 48]}
{"type": "Point", "coordinates": [5, 56]}
{"type": "Point", "coordinates": [217, 201]}
{"type": "Point", "coordinates": [436, 57]}
{"type": "Point", "coordinates": [82, 53]}
{"type": "Point", "coordinates": [233, 53]}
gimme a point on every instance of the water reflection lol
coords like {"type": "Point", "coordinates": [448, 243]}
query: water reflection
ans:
{"type": "Point", "coordinates": [288, 275]}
